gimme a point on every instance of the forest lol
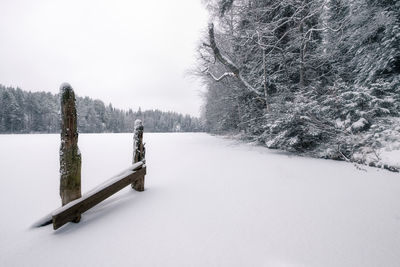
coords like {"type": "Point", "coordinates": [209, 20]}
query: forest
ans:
{"type": "Point", "coordinates": [39, 112]}
{"type": "Point", "coordinates": [314, 77]}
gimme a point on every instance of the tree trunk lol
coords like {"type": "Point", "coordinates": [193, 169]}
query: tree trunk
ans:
{"type": "Point", "coordinates": [302, 47]}
{"type": "Point", "coordinates": [70, 157]}
{"type": "Point", "coordinates": [265, 81]}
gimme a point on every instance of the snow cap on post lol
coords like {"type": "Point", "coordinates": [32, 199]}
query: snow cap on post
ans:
{"type": "Point", "coordinates": [65, 92]}
{"type": "Point", "coordinates": [138, 125]}
{"type": "Point", "coordinates": [65, 85]}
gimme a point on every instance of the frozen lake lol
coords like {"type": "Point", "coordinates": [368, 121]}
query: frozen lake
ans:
{"type": "Point", "coordinates": [209, 201]}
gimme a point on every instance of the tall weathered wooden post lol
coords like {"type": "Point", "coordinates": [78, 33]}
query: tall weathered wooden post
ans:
{"type": "Point", "coordinates": [138, 152]}
{"type": "Point", "coordinates": [70, 156]}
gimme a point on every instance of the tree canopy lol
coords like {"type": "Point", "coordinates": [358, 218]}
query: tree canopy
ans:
{"type": "Point", "coordinates": [39, 112]}
{"type": "Point", "coordinates": [324, 74]}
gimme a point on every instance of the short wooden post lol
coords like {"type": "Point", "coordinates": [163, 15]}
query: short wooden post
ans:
{"type": "Point", "coordinates": [70, 156]}
{"type": "Point", "coordinates": [138, 152]}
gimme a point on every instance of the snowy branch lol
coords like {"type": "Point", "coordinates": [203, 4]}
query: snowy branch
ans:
{"type": "Point", "coordinates": [224, 60]}
{"type": "Point", "coordinates": [217, 79]}
{"type": "Point", "coordinates": [227, 62]}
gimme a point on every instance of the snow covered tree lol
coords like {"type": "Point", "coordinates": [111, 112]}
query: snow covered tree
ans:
{"type": "Point", "coordinates": [313, 76]}
{"type": "Point", "coordinates": [24, 112]}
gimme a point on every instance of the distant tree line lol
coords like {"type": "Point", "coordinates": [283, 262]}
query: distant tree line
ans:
{"type": "Point", "coordinates": [39, 112]}
{"type": "Point", "coordinates": [320, 77]}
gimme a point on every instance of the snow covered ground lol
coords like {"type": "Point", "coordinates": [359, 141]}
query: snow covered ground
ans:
{"type": "Point", "coordinates": [209, 201]}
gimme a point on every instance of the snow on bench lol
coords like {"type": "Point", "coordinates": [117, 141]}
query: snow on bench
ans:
{"type": "Point", "coordinates": [71, 211]}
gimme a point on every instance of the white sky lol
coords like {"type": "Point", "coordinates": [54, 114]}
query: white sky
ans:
{"type": "Point", "coordinates": [130, 53]}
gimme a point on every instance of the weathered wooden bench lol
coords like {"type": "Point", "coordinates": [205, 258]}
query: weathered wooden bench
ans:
{"type": "Point", "coordinates": [73, 203]}
{"type": "Point", "coordinates": [68, 213]}
{"type": "Point", "coordinates": [134, 175]}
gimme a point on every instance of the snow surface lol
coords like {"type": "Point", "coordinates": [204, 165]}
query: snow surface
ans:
{"type": "Point", "coordinates": [208, 201]}
{"type": "Point", "coordinates": [391, 158]}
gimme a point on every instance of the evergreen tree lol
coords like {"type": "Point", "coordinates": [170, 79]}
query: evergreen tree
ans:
{"type": "Point", "coordinates": [24, 112]}
{"type": "Point", "coordinates": [320, 77]}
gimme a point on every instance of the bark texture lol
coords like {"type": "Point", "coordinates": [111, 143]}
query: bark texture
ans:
{"type": "Point", "coordinates": [70, 157]}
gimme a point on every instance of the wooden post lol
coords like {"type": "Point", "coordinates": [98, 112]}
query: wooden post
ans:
{"type": "Point", "coordinates": [70, 156]}
{"type": "Point", "coordinates": [138, 152]}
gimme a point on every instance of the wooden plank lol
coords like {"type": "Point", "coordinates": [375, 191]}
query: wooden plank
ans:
{"type": "Point", "coordinates": [48, 219]}
{"type": "Point", "coordinates": [75, 208]}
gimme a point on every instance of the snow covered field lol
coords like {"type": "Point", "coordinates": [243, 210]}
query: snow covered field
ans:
{"type": "Point", "coordinates": [209, 201]}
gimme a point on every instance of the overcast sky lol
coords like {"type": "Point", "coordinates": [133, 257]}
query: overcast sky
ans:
{"type": "Point", "coordinates": [128, 52]}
